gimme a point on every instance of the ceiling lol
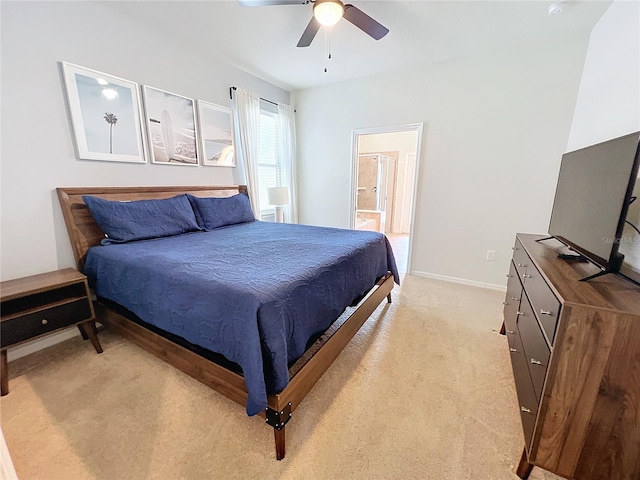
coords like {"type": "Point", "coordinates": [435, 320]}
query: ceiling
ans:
{"type": "Point", "coordinates": [262, 40]}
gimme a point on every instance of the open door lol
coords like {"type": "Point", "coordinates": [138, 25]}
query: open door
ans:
{"type": "Point", "coordinates": [385, 170]}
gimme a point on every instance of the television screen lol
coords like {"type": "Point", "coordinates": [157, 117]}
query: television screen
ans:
{"type": "Point", "coordinates": [592, 198]}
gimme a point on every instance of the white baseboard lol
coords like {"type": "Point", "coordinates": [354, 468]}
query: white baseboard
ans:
{"type": "Point", "coordinates": [463, 281]}
{"type": "Point", "coordinates": [34, 346]}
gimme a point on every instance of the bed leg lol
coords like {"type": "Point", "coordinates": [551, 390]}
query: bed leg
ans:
{"type": "Point", "coordinates": [278, 418]}
{"type": "Point", "coordinates": [280, 443]}
{"type": "Point", "coordinates": [389, 298]}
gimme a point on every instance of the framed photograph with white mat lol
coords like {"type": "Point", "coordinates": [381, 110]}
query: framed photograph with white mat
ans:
{"type": "Point", "coordinates": [216, 135]}
{"type": "Point", "coordinates": [105, 114]}
{"type": "Point", "coordinates": [171, 126]}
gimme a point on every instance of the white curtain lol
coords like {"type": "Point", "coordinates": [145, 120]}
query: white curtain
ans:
{"type": "Point", "coordinates": [247, 122]}
{"type": "Point", "coordinates": [287, 137]}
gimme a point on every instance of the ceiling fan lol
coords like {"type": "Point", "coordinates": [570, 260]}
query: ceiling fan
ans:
{"type": "Point", "coordinates": [327, 13]}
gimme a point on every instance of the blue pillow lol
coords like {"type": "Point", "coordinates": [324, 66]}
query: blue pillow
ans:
{"type": "Point", "coordinates": [142, 219]}
{"type": "Point", "coordinates": [219, 212]}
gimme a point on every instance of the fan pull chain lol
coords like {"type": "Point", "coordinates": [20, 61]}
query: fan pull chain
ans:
{"type": "Point", "coordinates": [327, 47]}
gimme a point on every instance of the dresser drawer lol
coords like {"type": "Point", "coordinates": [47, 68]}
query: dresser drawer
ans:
{"type": "Point", "coordinates": [535, 346]}
{"type": "Point", "coordinates": [527, 402]}
{"type": "Point", "coordinates": [545, 304]}
{"type": "Point", "coordinates": [520, 258]}
{"type": "Point", "coordinates": [31, 325]}
{"type": "Point", "coordinates": [512, 299]}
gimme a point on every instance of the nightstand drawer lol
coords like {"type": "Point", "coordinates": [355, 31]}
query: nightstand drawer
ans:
{"type": "Point", "coordinates": [32, 325]}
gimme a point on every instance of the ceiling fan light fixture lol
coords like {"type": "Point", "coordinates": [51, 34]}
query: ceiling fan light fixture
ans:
{"type": "Point", "coordinates": [328, 12]}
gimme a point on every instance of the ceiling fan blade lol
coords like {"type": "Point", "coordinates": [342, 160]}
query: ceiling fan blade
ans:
{"type": "Point", "coordinates": [266, 3]}
{"type": "Point", "coordinates": [309, 33]}
{"type": "Point", "coordinates": [364, 22]}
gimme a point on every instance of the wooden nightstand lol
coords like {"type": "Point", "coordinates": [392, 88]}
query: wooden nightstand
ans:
{"type": "Point", "coordinates": [34, 306]}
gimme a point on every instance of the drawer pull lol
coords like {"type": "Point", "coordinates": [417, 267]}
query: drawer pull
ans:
{"type": "Point", "coordinates": [520, 313]}
{"type": "Point", "coordinates": [536, 362]}
{"type": "Point", "coordinates": [525, 409]}
{"type": "Point", "coordinates": [522, 265]}
{"type": "Point", "coordinates": [513, 350]}
{"type": "Point", "coordinates": [509, 275]}
{"type": "Point", "coordinates": [510, 332]}
{"type": "Point", "coordinates": [545, 312]}
{"type": "Point", "coordinates": [505, 303]}
{"type": "Point", "coordinates": [526, 275]}
{"type": "Point", "coordinates": [45, 321]}
{"type": "Point", "coordinates": [515, 299]}
{"type": "Point", "coordinates": [514, 248]}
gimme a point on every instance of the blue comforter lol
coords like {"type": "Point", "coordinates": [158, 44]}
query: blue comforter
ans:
{"type": "Point", "coordinates": [254, 292]}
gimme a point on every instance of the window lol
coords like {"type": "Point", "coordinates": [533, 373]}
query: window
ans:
{"type": "Point", "coordinates": [269, 167]}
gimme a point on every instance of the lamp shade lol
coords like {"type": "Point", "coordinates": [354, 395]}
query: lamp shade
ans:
{"type": "Point", "coordinates": [328, 12]}
{"type": "Point", "coordinates": [278, 195]}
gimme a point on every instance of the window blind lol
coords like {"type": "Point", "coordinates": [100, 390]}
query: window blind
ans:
{"type": "Point", "coordinates": [269, 172]}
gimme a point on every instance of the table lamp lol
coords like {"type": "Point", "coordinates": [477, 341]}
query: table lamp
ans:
{"type": "Point", "coordinates": [278, 196]}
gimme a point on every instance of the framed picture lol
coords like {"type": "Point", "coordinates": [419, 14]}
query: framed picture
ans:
{"type": "Point", "coordinates": [216, 135]}
{"type": "Point", "coordinates": [105, 114]}
{"type": "Point", "coordinates": [171, 125]}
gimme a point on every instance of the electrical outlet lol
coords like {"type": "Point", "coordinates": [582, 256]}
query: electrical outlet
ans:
{"type": "Point", "coordinates": [491, 255]}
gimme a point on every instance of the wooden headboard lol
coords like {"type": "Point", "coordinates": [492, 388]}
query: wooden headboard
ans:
{"type": "Point", "coordinates": [83, 230]}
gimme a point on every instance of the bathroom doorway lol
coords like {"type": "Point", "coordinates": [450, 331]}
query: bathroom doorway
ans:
{"type": "Point", "coordinates": [385, 170]}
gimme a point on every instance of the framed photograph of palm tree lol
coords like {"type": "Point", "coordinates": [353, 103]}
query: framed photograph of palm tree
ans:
{"type": "Point", "coordinates": [171, 126]}
{"type": "Point", "coordinates": [216, 135]}
{"type": "Point", "coordinates": [106, 115]}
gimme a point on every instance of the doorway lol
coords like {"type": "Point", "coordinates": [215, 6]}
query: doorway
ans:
{"type": "Point", "coordinates": [384, 173]}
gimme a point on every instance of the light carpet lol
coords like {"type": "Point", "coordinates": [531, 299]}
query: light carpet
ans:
{"type": "Point", "coordinates": [423, 391]}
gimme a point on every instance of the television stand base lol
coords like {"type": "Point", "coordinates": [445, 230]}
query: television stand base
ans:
{"type": "Point", "coordinates": [605, 272]}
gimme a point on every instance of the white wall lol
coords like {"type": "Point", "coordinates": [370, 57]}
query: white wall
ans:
{"type": "Point", "coordinates": [37, 149]}
{"type": "Point", "coordinates": [608, 104]}
{"type": "Point", "coordinates": [37, 153]}
{"type": "Point", "coordinates": [495, 130]}
{"type": "Point", "coordinates": [404, 143]}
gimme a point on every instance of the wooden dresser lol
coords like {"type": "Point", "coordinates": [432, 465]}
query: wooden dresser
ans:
{"type": "Point", "coordinates": [575, 353]}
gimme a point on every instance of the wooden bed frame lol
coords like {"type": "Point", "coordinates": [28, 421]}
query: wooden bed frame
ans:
{"type": "Point", "coordinates": [85, 233]}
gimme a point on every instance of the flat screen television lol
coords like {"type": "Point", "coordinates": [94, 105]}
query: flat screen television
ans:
{"type": "Point", "coordinates": [594, 191]}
